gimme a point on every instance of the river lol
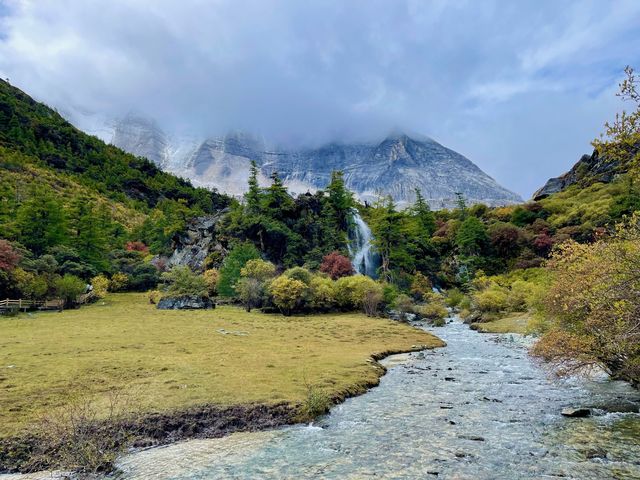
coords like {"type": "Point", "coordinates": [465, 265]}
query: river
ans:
{"type": "Point", "coordinates": [479, 408]}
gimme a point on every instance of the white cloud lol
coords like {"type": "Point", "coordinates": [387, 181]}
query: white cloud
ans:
{"type": "Point", "coordinates": [316, 70]}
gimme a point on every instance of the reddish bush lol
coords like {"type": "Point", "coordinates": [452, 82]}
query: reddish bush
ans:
{"type": "Point", "coordinates": [543, 243]}
{"type": "Point", "coordinates": [504, 238]}
{"type": "Point", "coordinates": [336, 265]}
{"type": "Point", "coordinates": [137, 247]}
{"type": "Point", "coordinates": [9, 258]}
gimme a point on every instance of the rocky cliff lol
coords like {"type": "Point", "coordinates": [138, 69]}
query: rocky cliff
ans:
{"type": "Point", "coordinates": [395, 165]}
{"type": "Point", "coordinates": [588, 170]}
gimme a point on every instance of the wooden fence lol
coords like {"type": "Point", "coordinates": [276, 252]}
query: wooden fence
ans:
{"type": "Point", "coordinates": [22, 304]}
{"type": "Point", "coordinates": [54, 304]}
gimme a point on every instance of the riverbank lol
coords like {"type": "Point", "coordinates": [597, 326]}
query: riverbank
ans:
{"type": "Point", "coordinates": [514, 323]}
{"type": "Point", "coordinates": [480, 408]}
{"type": "Point", "coordinates": [182, 371]}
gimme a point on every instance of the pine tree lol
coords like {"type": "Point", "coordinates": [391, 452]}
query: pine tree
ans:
{"type": "Point", "coordinates": [88, 238]}
{"type": "Point", "coordinates": [278, 204]}
{"type": "Point", "coordinates": [41, 222]}
{"type": "Point", "coordinates": [340, 200]}
{"type": "Point", "coordinates": [387, 231]}
{"type": "Point", "coordinates": [424, 214]}
{"type": "Point", "coordinates": [252, 196]}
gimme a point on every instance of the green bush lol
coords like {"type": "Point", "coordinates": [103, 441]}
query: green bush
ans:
{"type": "Point", "coordinates": [493, 299]}
{"type": "Point", "coordinates": [299, 273]}
{"type": "Point", "coordinates": [182, 281]}
{"type": "Point", "coordinates": [434, 308]}
{"type": "Point", "coordinates": [453, 297]}
{"type": "Point", "coordinates": [258, 269]}
{"type": "Point", "coordinates": [403, 303]}
{"type": "Point", "coordinates": [322, 293]}
{"type": "Point", "coordinates": [232, 265]}
{"type": "Point", "coordinates": [316, 403]}
{"type": "Point", "coordinates": [69, 288]}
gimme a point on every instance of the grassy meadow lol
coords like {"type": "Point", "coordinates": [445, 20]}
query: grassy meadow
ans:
{"type": "Point", "coordinates": [169, 360]}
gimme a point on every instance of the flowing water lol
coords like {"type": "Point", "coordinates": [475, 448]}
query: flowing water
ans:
{"type": "Point", "coordinates": [364, 258]}
{"type": "Point", "coordinates": [476, 409]}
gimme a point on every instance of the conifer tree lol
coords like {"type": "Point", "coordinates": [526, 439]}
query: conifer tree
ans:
{"type": "Point", "coordinates": [41, 222]}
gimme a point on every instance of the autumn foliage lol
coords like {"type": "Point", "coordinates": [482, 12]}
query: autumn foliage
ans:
{"type": "Point", "coordinates": [336, 265]}
{"type": "Point", "coordinates": [594, 304]}
{"type": "Point", "coordinates": [9, 258]}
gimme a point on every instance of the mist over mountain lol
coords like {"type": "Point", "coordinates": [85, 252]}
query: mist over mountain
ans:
{"type": "Point", "coordinates": [393, 165]}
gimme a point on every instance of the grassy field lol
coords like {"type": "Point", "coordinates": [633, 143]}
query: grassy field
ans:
{"type": "Point", "coordinates": [168, 360]}
{"type": "Point", "coordinates": [516, 323]}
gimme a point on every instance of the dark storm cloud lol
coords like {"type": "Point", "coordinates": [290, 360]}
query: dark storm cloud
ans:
{"type": "Point", "coordinates": [519, 87]}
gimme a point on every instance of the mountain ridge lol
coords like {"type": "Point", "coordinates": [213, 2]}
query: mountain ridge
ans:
{"type": "Point", "coordinates": [395, 165]}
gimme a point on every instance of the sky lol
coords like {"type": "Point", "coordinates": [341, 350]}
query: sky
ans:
{"type": "Point", "coordinates": [519, 87]}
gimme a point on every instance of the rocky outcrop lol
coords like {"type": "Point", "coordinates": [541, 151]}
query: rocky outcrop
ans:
{"type": "Point", "coordinates": [395, 165]}
{"type": "Point", "coordinates": [185, 302]}
{"type": "Point", "coordinates": [588, 170]}
{"type": "Point", "coordinates": [197, 242]}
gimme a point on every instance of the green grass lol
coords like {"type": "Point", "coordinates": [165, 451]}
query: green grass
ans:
{"type": "Point", "coordinates": [515, 323]}
{"type": "Point", "coordinates": [170, 360]}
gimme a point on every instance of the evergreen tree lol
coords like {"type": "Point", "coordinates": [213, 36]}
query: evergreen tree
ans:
{"type": "Point", "coordinates": [472, 237]}
{"type": "Point", "coordinates": [277, 202]}
{"type": "Point", "coordinates": [387, 231]}
{"type": "Point", "coordinates": [88, 236]}
{"type": "Point", "coordinates": [340, 200]}
{"type": "Point", "coordinates": [252, 196]}
{"type": "Point", "coordinates": [423, 213]}
{"type": "Point", "coordinates": [461, 204]}
{"type": "Point", "coordinates": [41, 222]}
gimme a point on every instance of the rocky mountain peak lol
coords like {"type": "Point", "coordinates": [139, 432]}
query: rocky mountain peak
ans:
{"type": "Point", "coordinates": [395, 165]}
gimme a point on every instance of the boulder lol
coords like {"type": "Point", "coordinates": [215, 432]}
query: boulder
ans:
{"type": "Point", "coordinates": [197, 242]}
{"type": "Point", "coordinates": [185, 302]}
{"type": "Point", "coordinates": [576, 412]}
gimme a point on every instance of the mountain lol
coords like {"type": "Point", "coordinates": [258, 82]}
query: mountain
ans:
{"type": "Point", "coordinates": [395, 165]}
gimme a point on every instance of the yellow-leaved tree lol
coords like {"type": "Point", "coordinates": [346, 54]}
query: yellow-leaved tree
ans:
{"type": "Point", "coordinates": [594, 305]}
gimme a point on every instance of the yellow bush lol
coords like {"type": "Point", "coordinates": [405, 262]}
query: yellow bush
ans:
{"type": "Point", "coordinates": [211, 278]}
{"type": "Point", "coordinates": [258, 269]}
{"type": "Point", "coordinates": [287, 293]}
{"type": "Point", "coordinates": [100, 286]}
{"type": "Point", "coordinates": [118, 282]}
{"type": "Point", "coordinates": [323, 292]}
{"type": "Point", "coordinates": [493, 299]}
{"type": "Point", "coordinates": [154, 296]}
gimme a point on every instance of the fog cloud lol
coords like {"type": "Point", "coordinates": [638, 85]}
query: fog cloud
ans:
{"type": "Point", "coordinates": [519, 87]}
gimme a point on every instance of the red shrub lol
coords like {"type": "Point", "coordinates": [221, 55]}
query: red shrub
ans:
{"type": "Point", "coordinates": [336, 265]}
{"type": "Point", "coordinates": [137, 247]}
{"type": "Point", "coordinates": [543, 243]}
{"type": "Point", "coordinates": [9, 258]}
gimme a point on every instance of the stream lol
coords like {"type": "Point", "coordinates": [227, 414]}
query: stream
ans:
{"type": "Point", "coordinates": [479, 408]}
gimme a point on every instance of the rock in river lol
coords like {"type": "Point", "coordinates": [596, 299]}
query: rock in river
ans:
{"type": "Point", "coordinates": [576, 412]}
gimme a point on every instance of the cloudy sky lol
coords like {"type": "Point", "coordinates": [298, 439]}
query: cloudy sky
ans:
{"type": "Point", "coordinates": [520, 87]}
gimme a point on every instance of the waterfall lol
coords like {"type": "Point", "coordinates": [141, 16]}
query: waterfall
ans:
{"type": "Point", "coordinates": [363, 256]}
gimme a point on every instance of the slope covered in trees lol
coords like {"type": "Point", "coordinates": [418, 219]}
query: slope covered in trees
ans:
{"type": "Point", "coordinates": [72, 205]}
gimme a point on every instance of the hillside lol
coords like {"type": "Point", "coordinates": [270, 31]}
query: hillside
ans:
{"type": "Point", "coordinates": [47, 139]}
{"type": "Point", "coordinates": [70, 204]}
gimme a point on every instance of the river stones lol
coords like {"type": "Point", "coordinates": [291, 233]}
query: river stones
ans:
{"type": "Point", "coordinates": [576, 412]}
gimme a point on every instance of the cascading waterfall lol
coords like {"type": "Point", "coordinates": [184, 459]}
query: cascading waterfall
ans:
{"type": "Point", "coordinates": [363, 256]}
